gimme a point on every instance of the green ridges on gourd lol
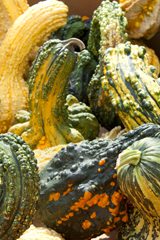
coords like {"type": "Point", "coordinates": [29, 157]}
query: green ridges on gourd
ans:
{"type": "Point", "coordinates": [138, 170]}
{"type": "Point", "coordinates": [19, 186]}
{"type": "Point", "coordinates": [108, 28]}
{"type": "Point", "coordinates": [138, 227]}
{"type": "Point", "coordinates": [131, 83]}
{"type": "Point", "coordinates": [48, 82]}
{"type": "Point", "coordinates": [79, 195]}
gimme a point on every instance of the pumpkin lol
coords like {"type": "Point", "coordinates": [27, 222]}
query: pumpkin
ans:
{"type": "Point", "coordinates": [143, 17]}
{"type": "Point", "coordinates": [9, 11]}
{"type": "Point", "coordinates": [19, 186]}
{"type": "Point", "coordinates": [131, 83]}
{"type": "Point", "coordinates": [79, 195]}
{"type": "Point", "coordinates": [52, 118]}
{"type": "Point", "coordinates": [32, 27]}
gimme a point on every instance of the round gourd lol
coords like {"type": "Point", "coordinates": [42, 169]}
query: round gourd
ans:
{"type": "Point", "coordinates": [138, 169]}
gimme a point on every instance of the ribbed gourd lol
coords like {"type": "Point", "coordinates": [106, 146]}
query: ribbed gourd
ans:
{"type": "Point", "coordinates": [79, 195]}
{"type": "Point", "coordinates": [54, 120]}
{"type": "Point", "coordinates": [19, 186]}
{"type": "Point", "coordinates": [108, 28]}
{"type": "Point", "coordinates": [143, 17]}
{"type": "Point", "coordinates": [28, 30]}
{"type": "Point", "coordinates": [9, 11]}
{"type": "Point", "coordinates": [132, 85]}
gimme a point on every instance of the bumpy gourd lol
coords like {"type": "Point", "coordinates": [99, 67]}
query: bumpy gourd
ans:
{"type": "Point", "coordinates": [139, 227]}
{"type": "Point", "coordinates": [19, 186]}
{"type": "Point", "coordinates": [79, 195]}
{"type": "Point", "coordinates": [138, 170]}
{"type": "Point", "coordinates": [51, 117]}
{"type": "Point", "coordinates": [132, 85]}
{"type": "Point", "coordinates": [29, 29]}
{"type": "Point", "coordinates": [9, 11]}
{"type": "Point", "coordinates": [108, 27]}
{"type": "Point", "coordinates": [143, 17]}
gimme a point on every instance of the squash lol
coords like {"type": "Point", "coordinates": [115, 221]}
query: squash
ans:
{"type": "Point", "coordinates": [9, 11]}
{"type": "Point", "coordinates": [19, 186]}
{"type": "Point", "coordinates": [131, 83]}
{"type": "Point", "coordinates": [52, 118]}
{"type": "Point", "coordinates": [28, 30]}
{"type": "Point", "coordinates": [79, 195]}
{"type": "Point", "coordinates": [138, 170]}
{"type": "Point", "coordinates": [139, 227]}
{"type": "Point", "coordinates": [143, 17]}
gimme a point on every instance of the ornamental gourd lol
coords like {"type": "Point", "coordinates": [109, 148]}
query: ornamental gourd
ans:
{"type": "Point", "coordinates": [28, 30]}
{"type": "Point", "coordinates": [53, 119]}
{"type": "Point", "coordinates": [19, 186]}
{"type": "Point", "coordinates": [138, 169]}
{"type": "Point", "coordinates": [79, 195]}
{"type": "Point", "coordinates": [132, 85]}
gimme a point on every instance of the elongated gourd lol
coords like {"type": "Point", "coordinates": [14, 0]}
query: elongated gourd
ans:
{"type": "Point", "coordinates": [9, 11]}
{"type": "Point", "coordinates": [79, 195]}
{"type": "Point", "coordinates": [19, 186]}
{"type": "Point", "coordinates": [132, 85]}
{"type": "Point", "coordinates": [30, 29]}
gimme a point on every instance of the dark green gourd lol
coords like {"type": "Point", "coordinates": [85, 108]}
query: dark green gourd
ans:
{"type": "Point", "coordinates": [79, 195]}
{"type": "Point", "coordinates": [19, 186]}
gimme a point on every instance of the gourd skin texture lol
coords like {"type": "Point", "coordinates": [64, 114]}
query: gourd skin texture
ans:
{"type": "Point", "coordinates": [108, 27]}
{"type": "Point", "coordinates": [138, 169]}
{"type": "Point", "coordinates": [19, 186]}
{"type": "Point", "coordinates": [9, 11]}
{"type": "Point", "coordinates": [131, 83]}
{"type": "Point", "coordinates": [139, 227]}
{"type": "Point", "coordinates": [79, 195]}
{"type": "Point", "coordinates": [28, 30]}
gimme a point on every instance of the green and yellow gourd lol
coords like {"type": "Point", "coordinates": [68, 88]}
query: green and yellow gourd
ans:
{"type": "Point", "coordinates": [108, 27]}
{"type": "Point", "coordinates": [138, 173]}
{"type": "Point", "coordinates": [50, 123]}
{"type": "Point", "coordinates": [79, 195]}
{"type": "Point", "coordinates": [132, 85]}
{"type": "Point", "coordinates": [19, 186]}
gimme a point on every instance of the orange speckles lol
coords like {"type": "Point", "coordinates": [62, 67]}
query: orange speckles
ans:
{"type": "Point", "coordinates": [93, 201]}
{"type": "Point", "coordinates": [108, 229]}
{"type": "Point", "coordinates": [87, 195]}
{"type": "Point", "coordinates": [103, 201]}
{"type": "Point", "coordinates": [93, 215]}
{"type": "Point", "coordinates": [99, 170]}
{"type": "Point", "coordinates": [112, 184]}
{"type": "Point", "coordinates": [69, 189]}
{"type": "Point", "coordinates": [86, 224]}
{"type": "Point", "coordinates": [116, 198]}
{"type": "Point", "coordinates": [65, 218]}
{"type": "Point", "coordinates": [116, 219]}
{"type": "Point", "coordinates": [114, 211]}
{"type": "Point", "coordinates": [54, 196]}
{"type": "Point", "coordinates": [114, 175]}
{"type": "Point", "coordinates": [59, 222]}
{"type": "Point", "coordinates": [125, 218]}
{"type": "Point", "coordinates": [102, 162]}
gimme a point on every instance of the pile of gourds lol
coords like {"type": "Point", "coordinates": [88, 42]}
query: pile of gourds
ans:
{"type": "Point", "coordinates": [63, 78]}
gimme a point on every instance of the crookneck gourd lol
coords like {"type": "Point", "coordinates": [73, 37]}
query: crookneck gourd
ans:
{"type": "Point", "coordinates": [143, 17]}
{"type": "Point", "coordinates": [138, 170]}
{"type": "Point", "coordinates": [28, 30]}
{"type": "Point", "coordinates": [52, 118]}
{"type": "Point", "coordinates": [132, 85]}
{"type": "Point", "coordinates": [108, 28]}
{"type": "Point", "coordinates": [139, 227]}
{"type": "Point", "coordinates": [9, 11]}
{"type": "Point", "coordinates": [19, 186]}
{"type": "Point", "coordinates": [79, 195]}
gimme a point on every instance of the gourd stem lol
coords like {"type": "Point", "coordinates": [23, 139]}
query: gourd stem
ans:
{"type": "Point", "coordinates": [75, 42]}
{"type": "Point", "coordinates": [128, 157]}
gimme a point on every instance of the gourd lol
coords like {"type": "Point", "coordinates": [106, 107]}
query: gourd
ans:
{"type": "Point", "coordinates": [139, 227]}
{"type": "Point", "coordinates": [51, 120]}
{"type": "Point", "coordinates": [32, 28]}
{"type": "Point", "coordinates": [19, 186]}
{"type": "Point", "coordinates": [143, 17]}
{"type": "Point", "coordinates": [9, 11]}
{"type": "Point", "coordinates": [138, 170]}
{"type": "Point", "coordinates": [132, 85]}
{"type": "Point", "coordinates": [108, 28]}
{"type": "Point", "coordinates": [79, 195]}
